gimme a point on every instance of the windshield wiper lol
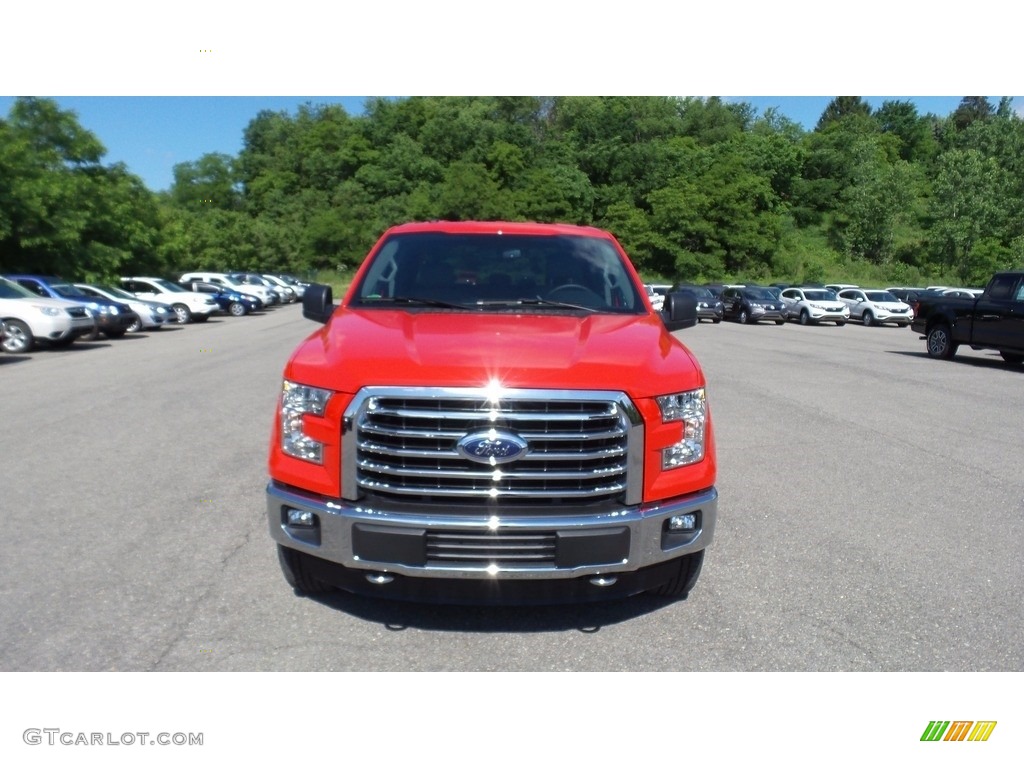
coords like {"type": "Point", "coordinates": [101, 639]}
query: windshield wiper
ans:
{"type": "Point", "coordinates": [541, 302]}
{"type": "Point", "coordinates": [413, 301]}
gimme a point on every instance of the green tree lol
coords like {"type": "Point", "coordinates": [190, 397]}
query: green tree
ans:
{"type": "Point", "coordinates": [842, 107]}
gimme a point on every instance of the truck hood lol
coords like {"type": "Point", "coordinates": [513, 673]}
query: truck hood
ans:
{"type": "Point", "coordinates": [633, 353]}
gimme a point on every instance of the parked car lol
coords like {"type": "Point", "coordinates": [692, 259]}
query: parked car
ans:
{"type": "Point", "coordinates": [234, 303]}
{"type": "Point", "coordinates": [963, 293]}
{"type": "Point", "coordinates": [709, 306]}
{"type": "Point", "coordinates": [752, 305]}
{"type": "Point", "coordinates": [30, 319]}
{"type": "Point", "coordinates": [113, 318]}
{"type": "Point", "coordinates": [230, 282]}
{"type": "Point", "coordinates": [151, 315]}
{"type": "Point", "coordinates": [657, 299]}
{"type": "Point", "coordinates": [876, 307]}
{"type": "Point", "coordinates": [910, 296]}
{"type": "Point", "coordinates": [299, 286]}
{"type": "Point", "coordinates": [278, 294]}
{"type": "Point", "coordinates": [284, 285]}
{"type": "Point", "coordinates": [814, 305]}
{"type": "Point", "coordinates": [188, 306]}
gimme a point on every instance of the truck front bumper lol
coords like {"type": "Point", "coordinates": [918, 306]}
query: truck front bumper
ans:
{"type": "Point", "coordinates": [491, 545]}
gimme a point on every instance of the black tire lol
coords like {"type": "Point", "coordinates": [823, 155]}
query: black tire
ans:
{"type": "Point", "coordinates": [780, 322]}
{"type": "Point", "coordinates": [743, 317]}
{"type": "Point", "coordinates": [840, 323]}
{"type": "Point", "coordinates": [687, 570]}
{"type": "Point", "coordinates": [17, 337]}
{"type": "Point", "coordinates": [183, 313]}
{"type": "Point", "coordinates": [940, 342]}
{"type": "Point", "coordinates": [296, 572]}
{"type": "Point", "coordinates": [1012, 358]}
{"type": "Point", "coordinates": [136, 326]}
{"type": "Point", "coordinates": [716, 320]}
{"type": "Point", "coordinates": [868, 318]}
{"type": "Point", "coordinates": [805, 317]}
{"type": "Point", "coordinates": [238, 309]}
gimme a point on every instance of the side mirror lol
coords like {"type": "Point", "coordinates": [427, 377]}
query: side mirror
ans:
{"type": "Point", "coordinates": [680, 311]}
{"type": "Point", "coordinates": [318, 303]}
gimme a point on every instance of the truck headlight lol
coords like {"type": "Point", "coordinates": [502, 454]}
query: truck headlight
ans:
{"type": "Point", "coordinates": [691, 409]}
{"type": "Point", "coordinates": [296, 401]}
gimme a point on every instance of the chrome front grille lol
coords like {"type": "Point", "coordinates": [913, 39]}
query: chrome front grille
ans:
{"type": "Point", "coordinates": [491, 548]}
{"type": "Point", "coordinates": [581, 446]}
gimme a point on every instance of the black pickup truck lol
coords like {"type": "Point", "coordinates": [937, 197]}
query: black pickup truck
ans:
{"type": "Point", "coordinates": [995, 320]}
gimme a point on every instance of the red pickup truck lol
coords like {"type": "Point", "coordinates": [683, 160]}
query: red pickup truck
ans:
{"type": "Point", "coordinates": [494, 413]}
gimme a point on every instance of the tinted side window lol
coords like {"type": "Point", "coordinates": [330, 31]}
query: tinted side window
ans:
{"type": "Point", "coordinates": [1002, 286]}
{"type": "Point", "coordinates": [33, 286]}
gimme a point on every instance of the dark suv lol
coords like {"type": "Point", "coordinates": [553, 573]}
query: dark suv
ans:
{"type": "Point", "coordinates": [234, 303]}
{"type": "Point", "coordinates": [752, 305]}
{"type": "Point", "coordinates": [709, 306]}
{"type": "Point", "coordinates": [113, 319]}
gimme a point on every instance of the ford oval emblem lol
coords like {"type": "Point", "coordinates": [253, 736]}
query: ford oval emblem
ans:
{"type": "Point", "coordinates": [492, 446]}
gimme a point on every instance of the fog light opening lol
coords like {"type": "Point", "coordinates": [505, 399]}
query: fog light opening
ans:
{"type": "Point", "coordinates": [682, 523]}
{"type": "Point", "coordinates": [301, 518]}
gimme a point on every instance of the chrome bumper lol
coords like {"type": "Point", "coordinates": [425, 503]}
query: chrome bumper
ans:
{"type": "Point", "coordinates": [344, 532]}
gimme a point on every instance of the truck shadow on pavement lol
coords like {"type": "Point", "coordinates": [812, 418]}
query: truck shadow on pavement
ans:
{"type": "Point", "coordinates": [991, 359]}
{"type": "Point", "coordinates": [396, 615]}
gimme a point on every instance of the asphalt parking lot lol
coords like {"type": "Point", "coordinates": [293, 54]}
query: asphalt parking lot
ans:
{"type": "Point", "coordinates": [870, 519]}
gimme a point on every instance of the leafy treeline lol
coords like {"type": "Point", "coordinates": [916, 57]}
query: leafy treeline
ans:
{"type": "Point", "coordinates": [695, 189]}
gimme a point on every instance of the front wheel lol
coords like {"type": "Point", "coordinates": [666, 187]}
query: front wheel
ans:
{"type": "Point", "coordinates": [17, 337]}
{"type": "Point", "coordinates": [687, 570]}
{"type": "Point", "coordinates": [295, 567]}
{"type": "Point", "coordinates": [237, 309]}
{"type": "Point", "coordinates": [940, 342]}
{"type": "Point", "coordinates": [744, 318]}
{"type": "Point", "coordinates": [183, 313]}
{"type": "Point", "coordinates": [805, 317]}
{"type": "Point", "coordinates": [869, 319]}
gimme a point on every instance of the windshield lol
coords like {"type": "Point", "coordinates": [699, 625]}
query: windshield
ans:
{"type": "Point", "coordinates": [702, 294]}
{"type": "Point", "coordinates": [114, 291]}
{"type": "Point", "coordinates": [819, 295]}
{"type": "Point", "coordinates": [880, 296]}
{"type": "Point", "coordinates": [167, 285]}
{"type": "Point", "coordinates": [495, 271]}
{"type": "Point", "coordinates": [762, 294]}
{"type": "Point", "coordinates": [11, 290]}
{"type": "Point", "coordinates": [67, 291]}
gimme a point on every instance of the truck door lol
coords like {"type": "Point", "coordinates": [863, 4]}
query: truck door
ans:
{"type": "Point", "coordinates": [999, 314]}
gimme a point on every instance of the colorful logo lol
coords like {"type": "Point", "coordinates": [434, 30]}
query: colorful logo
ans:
{"type": "Point", "coordinates": [958, 730]}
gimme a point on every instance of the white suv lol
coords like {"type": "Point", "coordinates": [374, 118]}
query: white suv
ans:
{"type": "Point", "coordinates": [188, 306]}
{"type": "Point", "coordinates": [231, 283]}
{"type": "Point", "coordinates": [28, 319]}
{"type": "Point", "coordinates": [875, 307]}
{"type": "Point", "coordinates": [814, 305]}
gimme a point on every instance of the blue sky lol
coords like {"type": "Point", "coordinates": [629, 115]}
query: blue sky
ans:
{"type": "Point", "coordinates": [160, 87]}
{"type": "Point", "coordinates": [151, 134]}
